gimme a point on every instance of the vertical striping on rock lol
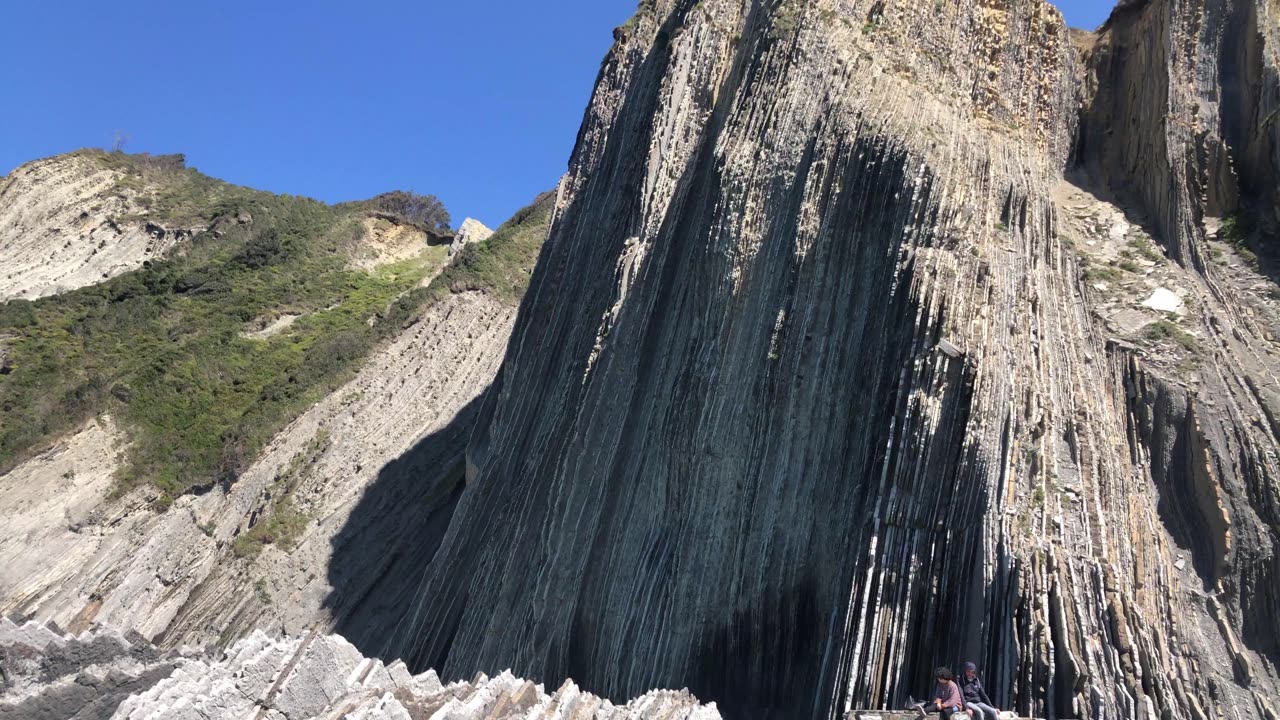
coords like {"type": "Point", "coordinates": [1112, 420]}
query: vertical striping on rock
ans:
{"type": "Point", "coordinates": [815, 388]}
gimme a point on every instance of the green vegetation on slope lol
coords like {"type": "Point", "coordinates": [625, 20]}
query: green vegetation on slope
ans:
{"type": "Point", "coordinates": [283, 522]}
{"type": "Point", "coordinates": [500, 266]}
{"type": "Point", "coordinates": [164, 348]}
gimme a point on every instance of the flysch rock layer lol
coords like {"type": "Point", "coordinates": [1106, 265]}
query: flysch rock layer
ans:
{"type": "Point", "coordinates": [374, 469]}
{"type": "Point", "coordinates": [58, 232]}
{"type": "Point", "coordinates": [471, 231]}
{"type": "Point", "coordinates": [101, 674]}
{"type": "Point", "coordinates": [808, 396]}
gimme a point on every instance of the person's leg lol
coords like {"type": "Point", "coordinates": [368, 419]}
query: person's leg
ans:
{"type": "Point", "coordinates": [988, 712]}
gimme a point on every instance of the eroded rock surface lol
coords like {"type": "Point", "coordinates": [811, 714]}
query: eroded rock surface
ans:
{"type": "Point", "coordinates": [472, 231]}
{"type": "Point", "coordinates": [71, 221]}
{"type": "Point", "coordinates": [392, 438]}
{"type": "Point", "coordinates": [871, 335]}
{"type": "Point", "coordinates": [46, 674]}
{"type": "Point", "coordinates": [813, 389]}
{"type": "Point", "coordinates": [102, 674]}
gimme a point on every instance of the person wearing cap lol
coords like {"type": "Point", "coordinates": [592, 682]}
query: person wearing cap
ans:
{"type": "Point", "coordinates": [975, 697]}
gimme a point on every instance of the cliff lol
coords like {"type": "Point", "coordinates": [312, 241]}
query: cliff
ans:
{"type": "Point", "coordinates": [868, 336]}
{"type": "Point", "coordinates": [852, 352]}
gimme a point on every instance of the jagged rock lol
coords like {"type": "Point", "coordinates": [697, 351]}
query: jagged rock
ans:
{"type": "Point", "coordinates": [48, 675]}
{"type": "Point", "coordinates": [472, 231]}
{"type": "Point", "coordinates": [100, 674]}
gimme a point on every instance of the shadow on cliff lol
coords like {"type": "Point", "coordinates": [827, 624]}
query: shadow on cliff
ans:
{"type": "Point", "coordinates": [382, 553]}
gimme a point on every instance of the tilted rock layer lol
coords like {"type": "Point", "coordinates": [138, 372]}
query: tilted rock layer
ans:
{"type": "Point", "coordinates": [59, 226]}
{"type": "Point", "coordinates": [102, 674]}
{"type": "Point", "coordinates": [813, 390]}
{"type": "Point", "coordinates": [72, 554]}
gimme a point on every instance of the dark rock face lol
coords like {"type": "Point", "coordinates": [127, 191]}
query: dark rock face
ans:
{"type": "Point", "coordinates": [807, 395]}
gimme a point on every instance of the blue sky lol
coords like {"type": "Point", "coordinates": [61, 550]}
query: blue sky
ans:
{"type": "Point", "coordinates": [1087, 14]}
{"type": "Point", "coordinates": [477, 101]}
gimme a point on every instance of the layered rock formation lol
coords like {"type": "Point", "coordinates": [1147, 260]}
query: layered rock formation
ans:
{"type": "Point", "coordinates": [333, 521]}
{"type": "Point", "coordinates": [870, 335]}
{"type": "Point", "coordinates": [102, 674]}
{"type": "Point", "coordinates": [71, 221]}
{"type": "Point", "coordinates": [180, 574]}
{"type": "Point", "coordinates": [826, 377]}
{"type": "Point", "coordinates": [470, 231]}
{"type": "Point", "coordinates": [48, 675]}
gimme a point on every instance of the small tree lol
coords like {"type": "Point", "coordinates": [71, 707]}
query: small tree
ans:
{"type": "Point", "coordinates": [119, 141]}
{"type": "Point", "coordinates": [425, 210]}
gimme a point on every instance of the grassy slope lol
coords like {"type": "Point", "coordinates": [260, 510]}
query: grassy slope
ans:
{"type": "Point", "coordinates": [500, 266]}
{"type": "Point", "coordinates": [162, 347]}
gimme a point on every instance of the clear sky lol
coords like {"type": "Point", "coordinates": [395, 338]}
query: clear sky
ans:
{"type": "Point", "coordinates": [477, 101]}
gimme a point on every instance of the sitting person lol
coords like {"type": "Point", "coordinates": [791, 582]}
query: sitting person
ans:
{"type": "Point", "coordinates": [975, 697]}
{"type": "Point", "coordinates": [947, 699]}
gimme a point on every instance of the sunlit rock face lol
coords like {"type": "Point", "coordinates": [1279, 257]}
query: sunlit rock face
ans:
{"type": "Point", "coordinates": [824, 377]}
{"type": "Point", "coordinates": [103, 674]}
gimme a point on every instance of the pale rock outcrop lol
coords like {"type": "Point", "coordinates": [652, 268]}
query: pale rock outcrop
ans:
{"type": "Point", "coordinates": [102, 674]}
{"type": "Point", "coordinates": [50, 500]}
{"type": "Point", "coordinates": [387, 240]}
{"type": "Point", "coordinates": [326, 677]}
{"type": "Point", "coordinates": [71, 221]}
{"type": "Point", "coordinates": [472, 231]}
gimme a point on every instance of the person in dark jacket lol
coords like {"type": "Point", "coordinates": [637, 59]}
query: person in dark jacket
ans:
{"type": "Point", "coordinates": [947, 699]}
{"type": "Point", "coordinates": [975, 697]}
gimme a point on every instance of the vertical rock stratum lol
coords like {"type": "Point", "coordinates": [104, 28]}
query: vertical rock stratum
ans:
{"type": "Point", "coordinates": [877, 334]}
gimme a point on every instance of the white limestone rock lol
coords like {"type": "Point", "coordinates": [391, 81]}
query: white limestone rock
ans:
{"type": "Point", "coordinates": [324, 677]}
{"type": "Point", "coordinates": [1165, 300]}
{"type": "Point", "coordinates": [472, 231]}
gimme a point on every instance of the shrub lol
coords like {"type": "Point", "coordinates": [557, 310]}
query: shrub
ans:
{"type": "Point", "coordinates": [1102, 273]}
{"type": "Point", "coordinates": [17, 314]}
{"type": "Point", "coordinates": [1165, 330]}
{"type": "Point", "coordinates": [1235, 231]}
{"type": "Point", "coordinates": [1145, 250]}
{"type": "Point", "coordinates": [424, 210]}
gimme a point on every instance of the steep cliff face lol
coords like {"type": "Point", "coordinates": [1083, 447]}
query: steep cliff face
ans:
{"type": "Point", "coordinates": [827, 375]}
{"type": "Point", "coordinates": [1180, 114]}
